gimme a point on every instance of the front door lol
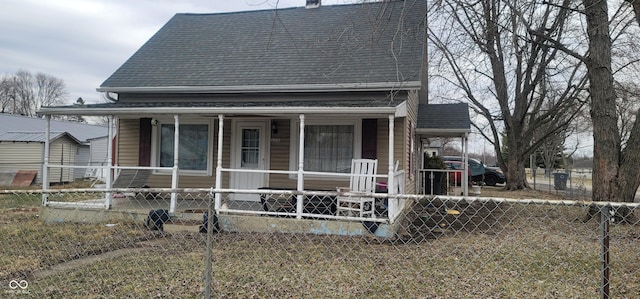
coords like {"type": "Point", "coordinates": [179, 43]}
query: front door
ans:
{"type": "Point", "coordinates": [249, 153]}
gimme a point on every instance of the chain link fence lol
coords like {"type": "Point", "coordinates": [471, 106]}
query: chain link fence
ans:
{"type": "Point", "coordinates": [440, 247]}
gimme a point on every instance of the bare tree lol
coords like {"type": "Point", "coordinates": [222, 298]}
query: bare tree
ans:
{"type": "Point", "coordinates": [49, 90]}
{"type": "Point", "coordinates": [23, 93]}
{"type": "Point", "coordinates": [627, 106]}
{"type": "Point", "coordinates": [499, 56]}
{"type": "Point", "coordinates": [24, 85]}
{"type": "Point", "coordinates": [7, 94]}
{"type": "Point", "coordinates": [616, 176]}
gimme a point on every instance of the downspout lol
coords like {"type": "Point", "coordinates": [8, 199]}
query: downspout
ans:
{"type": "Point", "coordinates": [109, 97]}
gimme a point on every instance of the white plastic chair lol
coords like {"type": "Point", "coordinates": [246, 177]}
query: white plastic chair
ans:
{"type": "Point", "coordinates": [363, 180]}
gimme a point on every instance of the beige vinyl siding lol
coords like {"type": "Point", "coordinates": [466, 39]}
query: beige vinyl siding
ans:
{"type": "Point", "coordinates": [22, 156]}
{"type": "Point", "coordinates": [127, 142]}
{"type": "Point", "coordinates": [127, 155]}
{"type": "Point", "coordinates": [383, 144]}
{"type": "Point", "coordinates": [61, 152]}
{"type": "Point", "coordinates": [280, 145]}
{"type": "Point", "coordinates": [412, 116]}
{"type": "Point", "coordinates": [29, 156]}
{"type": "Point", "coordinates": [280, 153]}
{"type": "Point", "coordinates": [402, 143]}
{"type": "Point", "coordinates": [98, 151]}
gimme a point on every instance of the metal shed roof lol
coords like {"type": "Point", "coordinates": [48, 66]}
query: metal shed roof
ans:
{"type": "Point", "coordinates": [33, 136]}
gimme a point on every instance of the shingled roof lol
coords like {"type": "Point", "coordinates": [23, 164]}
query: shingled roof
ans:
{"type": "Point", "coordinates": [443, 119]}
{"type": "Point", "coordinates": [368, 44]}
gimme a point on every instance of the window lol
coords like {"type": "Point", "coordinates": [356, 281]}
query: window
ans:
{"type": "Point", "coordinates": [250, 148]}
{"type": "Point", "coordinates": [328, 148]}
{"type": "Point", "coordinates": [329, 145]}
{"type": "Point", "coordinates": [193, 147]}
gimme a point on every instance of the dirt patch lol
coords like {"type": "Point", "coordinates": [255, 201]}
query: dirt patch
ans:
{"type": "Point", "coordinates": [433, 218]}
{"type": "Point", "coordinates": [84, 261]}
{"type": "Point", "coordinates": [500, 192]}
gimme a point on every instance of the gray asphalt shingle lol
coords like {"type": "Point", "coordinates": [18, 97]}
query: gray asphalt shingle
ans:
{"type": "Point", "coordinates": [361, 43]}
{"type": "Point", "coordinates": [444, 116]}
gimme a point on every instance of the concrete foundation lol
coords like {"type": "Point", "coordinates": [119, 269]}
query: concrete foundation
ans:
{"type": "Point", "coordinates": [188, 221]}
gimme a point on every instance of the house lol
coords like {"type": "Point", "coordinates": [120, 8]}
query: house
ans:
{"type": "Point", "coordinates": [273, 99]}
{"type": "Point", "coordinates": [22, 141]}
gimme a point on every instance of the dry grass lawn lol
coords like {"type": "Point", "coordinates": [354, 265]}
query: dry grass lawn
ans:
{"type": "Point", "coordinates": [488, 251]}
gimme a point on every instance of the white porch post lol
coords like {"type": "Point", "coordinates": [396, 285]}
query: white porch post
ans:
{"type": "Point", "coordinates": [391, 209]}
{"type": "Point", "coordinates": [300, 197]}
{"type": "Point", "coordinates": [45, 164]}
{"type": "Point", "coordinates": [108, 169]}
{"type": "Point", "coordinates": [465, 163]}
{"type": "Point", "coordinates": [219, 160]}
{"type": "Point", "coordinates": [176, 155]}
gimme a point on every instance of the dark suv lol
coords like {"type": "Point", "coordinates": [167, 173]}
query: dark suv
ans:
{"type": "Point", "coordinates": [480, 172]}
{"type": "Point", "coordinates": [493, 176]}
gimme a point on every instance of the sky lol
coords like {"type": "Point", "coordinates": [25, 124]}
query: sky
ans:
{"type": "Point", "coordinates": [83, 42]}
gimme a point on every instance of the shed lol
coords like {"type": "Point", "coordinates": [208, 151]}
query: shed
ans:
{"type": "Point", "coordinates": [25, 151]}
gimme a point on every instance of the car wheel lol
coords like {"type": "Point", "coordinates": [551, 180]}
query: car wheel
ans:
{"type": "Point", "coordinates": [490, 180]}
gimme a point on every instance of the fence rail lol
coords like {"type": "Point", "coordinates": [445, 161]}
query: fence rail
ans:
{"type": "Point", "coordinates": [441, 246]}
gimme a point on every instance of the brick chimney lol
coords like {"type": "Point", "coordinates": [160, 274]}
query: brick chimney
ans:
{"type": "Point", "coordinates": [313, 3]}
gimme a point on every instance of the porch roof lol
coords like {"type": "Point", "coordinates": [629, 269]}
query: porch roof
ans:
{"type": "Point", "coordinates": [374, 105]}
{"type": "Point", "coordinates": [443, 120]}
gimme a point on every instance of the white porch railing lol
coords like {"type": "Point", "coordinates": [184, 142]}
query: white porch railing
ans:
{"type": "Point", "coordinates": [105, 203]}
{"type": "Point", "coordinates": [392, 206]}
{"type": "Point", "coordinates": [428, 180]}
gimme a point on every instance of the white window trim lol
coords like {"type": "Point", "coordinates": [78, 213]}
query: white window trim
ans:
{"type": "Point", "coordinates": [311, 121]}
{"type": "Point", "coordinates": [155, 138]}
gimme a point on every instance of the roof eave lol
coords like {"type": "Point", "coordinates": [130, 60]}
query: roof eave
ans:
{"type": "Point", "coordinates": [380, 86]}
{"type": "Point", "coordinates": [433, 132]}
{"type": "Point", "coordinates": [214, 110]}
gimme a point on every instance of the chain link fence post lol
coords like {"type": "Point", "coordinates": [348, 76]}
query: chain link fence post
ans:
{"type": "Point", "coordinates": [209, 255]}
{"type": "Point", "coordinates": [604, 254]}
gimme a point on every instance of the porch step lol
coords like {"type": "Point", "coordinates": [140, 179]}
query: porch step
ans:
{"type": "Point", "coordinates": [182, 225]}
{"type": "Point", "coordinates": [193, 214]}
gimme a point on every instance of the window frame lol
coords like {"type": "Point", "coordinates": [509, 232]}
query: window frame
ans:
{"type": "Point", "coordinates": [294, 148]}
{"type": "Point", "coordinates": [155, 145]}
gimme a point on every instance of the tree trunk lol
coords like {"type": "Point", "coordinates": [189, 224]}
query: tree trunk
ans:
{"type": "Point", "coordinates": [606, 136]}
{"type": "Point", "coordinates": [516, 175]}
{"type": "Point", "coordinates": [629, 174]}
{"type": "Point", "coordinates": [516, 178]}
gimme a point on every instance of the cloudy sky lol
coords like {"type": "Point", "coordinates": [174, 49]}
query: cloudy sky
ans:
{"type": "Point", "coordinates": [84, 41]}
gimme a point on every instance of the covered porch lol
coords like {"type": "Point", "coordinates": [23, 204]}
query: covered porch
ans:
{"type": "Point", "coordinates": [256, 162]}
{"type": "Point", "coordinates": [437, 122]}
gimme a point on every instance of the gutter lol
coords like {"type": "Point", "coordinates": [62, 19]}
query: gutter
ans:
{"type": "Point", "coordinates": [442, 132]}
{"type": "Point", "coordinates": [227, 110]}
